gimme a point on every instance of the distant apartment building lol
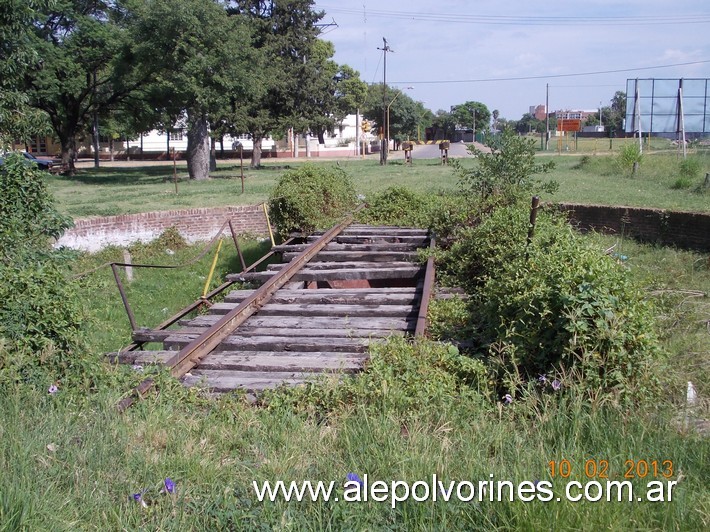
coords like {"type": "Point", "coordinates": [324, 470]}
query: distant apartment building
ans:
{"type": "Point", "coordinates": [568, 114]}
{"type": "Point", "coordinates": [538, 111]}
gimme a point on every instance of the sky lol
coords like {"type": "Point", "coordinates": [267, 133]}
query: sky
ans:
{"type": "Point", "coordinates": [505, 53]}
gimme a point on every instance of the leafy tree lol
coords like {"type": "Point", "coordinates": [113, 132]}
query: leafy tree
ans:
{"type": "Point", "coordinates": [528, 123]}
{"type": "Point", "coordinates": [292, 62]}
{"type": "Point", "coordinates": [350, 93]}
{"type": "Point", "coordinates": [444, 123]}
{"type": "Point", "coordinates": [336, 91]}
{"type": "Point", "coordinates": [464, 115]}
{"type": "Point", "coordinates": [203, 68]}
{"type": "Point", "coordinates": [83, 69]}
{"type": "Point", "coordinates": [496, 115]}
{"type": "Point", "coordinates": [404, 113]}
{"type": "Point", "coordinates": [18, 120]}
{"type": "Point", "coordinates": [617, 112]}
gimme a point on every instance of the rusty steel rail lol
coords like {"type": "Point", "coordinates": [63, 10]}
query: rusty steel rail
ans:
{"type": "Point", "coordinates": [191, 355]}
{"type": "Point", "coordinates": [427, 289]}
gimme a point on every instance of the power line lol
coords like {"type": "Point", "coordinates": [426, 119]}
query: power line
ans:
{"type": "Point", "coordinates": [550, 76]}
{"type": "Point", "coordinates": [515, 20]}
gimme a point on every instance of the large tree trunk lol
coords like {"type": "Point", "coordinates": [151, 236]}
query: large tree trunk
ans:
{"type": "Point", "coordinates": [256, 151]}
{"type": "Point", "coordinates": [198, 149]}
{"type": "Point", "coordinates": [68, 154]}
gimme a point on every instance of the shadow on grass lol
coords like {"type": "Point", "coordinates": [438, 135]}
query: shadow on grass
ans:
{"type": "Point", "coordinates": [135, 175]}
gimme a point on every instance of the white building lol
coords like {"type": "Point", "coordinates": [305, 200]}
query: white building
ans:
{"type": "Point", "coordinates": [343, 141]}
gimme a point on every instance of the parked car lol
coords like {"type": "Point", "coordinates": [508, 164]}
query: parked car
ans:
{"type": "Point", "coordinates": [42, 163]}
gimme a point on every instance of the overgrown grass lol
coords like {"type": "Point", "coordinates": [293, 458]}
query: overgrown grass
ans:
{"type": "Point", "coordinates": [69, 465]}
{"type": "Point", "coordinates": [582, 178]}
{"type": "Point", "coordinates": [70, 461]}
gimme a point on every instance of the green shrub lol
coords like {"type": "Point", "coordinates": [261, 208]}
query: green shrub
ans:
{"type": "Point", "coordinates": [310, 198]}
{"type": "Point", "coordinates": [559, 307]}
{"type": "Point", "coordinates": [28, 217]}
{"type": "Point", "coordinates": [690, 167]}
{"type": "Point", "coordinates": [400, 377]}
{"type": "Point", "coordinates": [40, 311]}
{"type": "Point", "coordinates": [507, 170]}
{"type": "Point", "coordinates": [397, 206]}
{"type": "Point", "coordinates": [629, 158]}
{"type": "Point", "coordinates": [682, 182]}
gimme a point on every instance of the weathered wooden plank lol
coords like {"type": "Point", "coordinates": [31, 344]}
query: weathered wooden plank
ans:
{"type": "Point", "coordinates": [280, 361]}
{"type": "Point", "coordinates": [404, 296]}
{"type": "Point", "coordinates": [315, 309]}
{"type": "Point", "coordinates": [276, 343]}
{"type": "Point", "coordinates": [386, 324]}
{"type": "Point", "coordinates": [359, 256]}
{"type": "Point", "coordinates": [378, 239]}
{"type": "Point", "coordinates": [380, 230]}
{"type": "Point", "coordinates": [340, 332]}
{"type": "Point", "coordinates": [158, 335]}
{"type": "Point", "coordinates": [308, 274]}
{"type": "Point", "coordinates": [314, 266]}
{"type": "Point", "coordinates": [140, 357]}
{"type": "Point", "coordinates": [253, 381]}
{"type": "Point", "coordinates": [334, 246]}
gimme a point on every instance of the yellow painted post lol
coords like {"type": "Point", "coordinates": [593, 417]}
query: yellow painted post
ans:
{"type": "Point", "coordinates": [214, 265]}
{"type": "Point", "coordinates": [268, 224]}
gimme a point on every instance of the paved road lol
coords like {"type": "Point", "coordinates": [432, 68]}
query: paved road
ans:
{"type": "Point", "coordinates": [421, 151]}
{"type": "Point", "coordinates": [431, 151]}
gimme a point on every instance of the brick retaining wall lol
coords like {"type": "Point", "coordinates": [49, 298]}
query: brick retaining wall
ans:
{"type": "Point", "coordinates": [686, 230]}
{"type": "Point", "coordinates": [93, 234]}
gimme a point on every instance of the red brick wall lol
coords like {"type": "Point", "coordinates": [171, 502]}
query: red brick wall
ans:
{"type": "Point", "coordinates": [92, 234]}
{"type": "Point", "coordinates": [687, 230]}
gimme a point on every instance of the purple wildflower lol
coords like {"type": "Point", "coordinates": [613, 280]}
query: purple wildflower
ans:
{"type": "Point", "coordinates": [138, 497]}
{"type": "Point", "coordinates": [542, 379]}
{"type": "Point", "coordinates": [52, 389]}
{"type": "Point", "coordinates": [169, 485]}
{"type": "Point", "coordinates": [556, 385]}
{"type": "Point", "coordinates": [354, 477]}
{"type": "Point", "coordinates": [507, 398]}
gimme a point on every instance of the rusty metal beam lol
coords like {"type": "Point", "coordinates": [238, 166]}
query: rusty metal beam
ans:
{"type": "Point", "coordinates": [426, 291]}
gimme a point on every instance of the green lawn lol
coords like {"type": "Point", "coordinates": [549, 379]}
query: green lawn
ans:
{"type": "Point", "coordinates": [583, 179]}
{"type": "Point", "coordinates": [69, 461]}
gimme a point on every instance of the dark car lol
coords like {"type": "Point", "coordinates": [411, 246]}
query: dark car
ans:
{"type": "Point", "coordinates": [42, 164]}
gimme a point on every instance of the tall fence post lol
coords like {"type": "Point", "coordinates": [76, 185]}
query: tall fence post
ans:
{"type": "Point", "coordinates": [531, 227]}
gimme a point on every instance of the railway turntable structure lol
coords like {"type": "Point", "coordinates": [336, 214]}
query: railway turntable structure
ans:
{"type": "Point", "coordinates": [317, 311]}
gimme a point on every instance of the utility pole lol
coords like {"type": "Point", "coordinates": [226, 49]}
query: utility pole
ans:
{"type": "Point", "coordinates": [384, 146]}
{"type": "Point", "coordinates": [547, 115]}
{"type": "Point", "coordinates": [474, 126]}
